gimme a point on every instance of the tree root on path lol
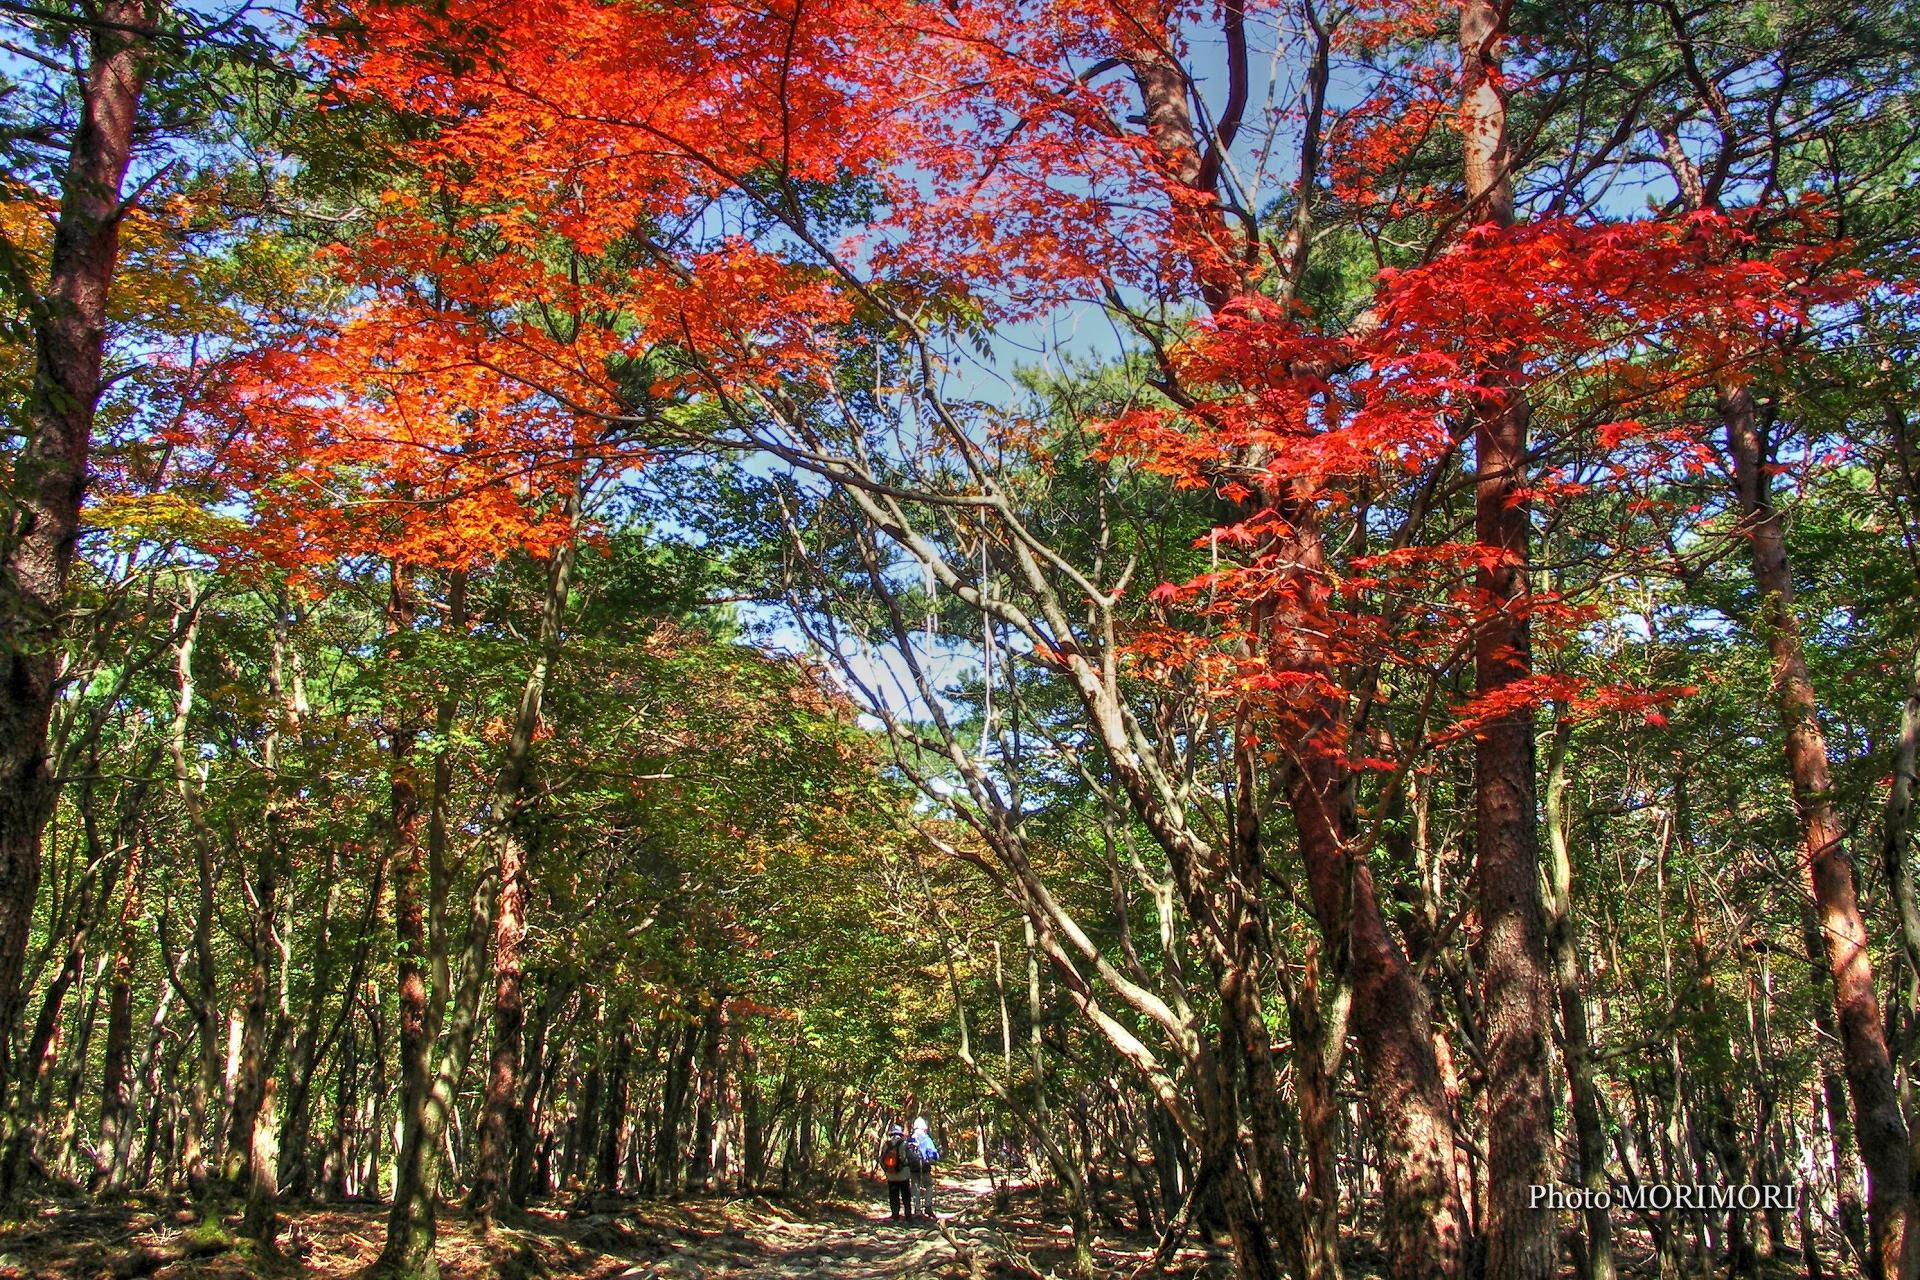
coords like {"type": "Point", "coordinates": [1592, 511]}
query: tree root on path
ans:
{"type": "Point", "coordinates": [971, 1256]}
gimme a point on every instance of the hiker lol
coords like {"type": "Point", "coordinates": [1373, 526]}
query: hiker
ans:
{"type": "Point", "coordinates": [921, 1155]}
{"type": "Point", "coordinates": [893, 1166]}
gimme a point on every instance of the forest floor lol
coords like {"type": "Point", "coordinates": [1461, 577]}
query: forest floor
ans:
{"type": "Point", "coordinates": [984, 1233]}
{"type": "Point", "coordinates": [980, 1235]}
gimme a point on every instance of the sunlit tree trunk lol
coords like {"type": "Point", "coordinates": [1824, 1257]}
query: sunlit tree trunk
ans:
{"type": "Point", "coordinates": [1424, 1222]}
{"type": "Point", "coordinates": [1879, 1127]}
{"type": "Point", "coordinates": [252, 1067]}
{"type": "Point", "coordinates": [204, 995]}
{"type": "Point", "coordinates": [504, 1116]}
{"type": "Point", "coordinates": [263, 1166]}
{"type": "Point", "coordinates": [1511, 946]}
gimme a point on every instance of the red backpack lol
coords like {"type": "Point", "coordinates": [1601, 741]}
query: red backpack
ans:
{"type": "Point", "coordinates": [890, 1155]}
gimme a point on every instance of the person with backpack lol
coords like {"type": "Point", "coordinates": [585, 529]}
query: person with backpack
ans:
{"type": "Point", "coordinates": [893, 1167]}
{"type": "Point", "coordinates": [921, 1156]}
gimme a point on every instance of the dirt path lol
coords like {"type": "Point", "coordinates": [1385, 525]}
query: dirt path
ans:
{"type": "Point", "coordinates": [759, 1240]}
{"type": "Point", "coordinates": [743, 1238]}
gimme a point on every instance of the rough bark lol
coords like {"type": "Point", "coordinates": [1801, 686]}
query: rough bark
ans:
{"type": "Point", "coordinates": [261, 1222]}
{"type": "Point", "coordinates": [1879, 1127]}
{"type": "Point", "coordinates": [1423, 1221]}
{"type": "Point", "coordinates": [1424, 1224]}
{"type": "Point", "coordinates": [1510, 949]}
{"type": "Point", "coordinates": [49, 472]}
{"type": "Point", "coordinates": [503, 1114]}
{"type": "Point", "coordinates": [408, 1251]}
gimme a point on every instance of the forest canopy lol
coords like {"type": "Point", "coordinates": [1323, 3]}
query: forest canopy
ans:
{"type": "Point", "coordinates": [1295, 621]}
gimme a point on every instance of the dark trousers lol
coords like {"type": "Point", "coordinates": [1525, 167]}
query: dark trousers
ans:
{"type": "Point", "coordinates": [900, 1198]}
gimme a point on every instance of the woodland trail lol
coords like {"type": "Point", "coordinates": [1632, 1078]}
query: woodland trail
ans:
{"type": "Point", "coordinates": [760, 1240]}
{"type": "Point", "coordinates": [736, 1238]}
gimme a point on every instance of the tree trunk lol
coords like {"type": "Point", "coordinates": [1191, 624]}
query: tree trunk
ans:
{"type": "Point", "coordinates": [712, 1032]}
{"type": "Point", "coordinates": [613, 1110]}
{"type": "Point", "coordinates": [205, 995]}
{"type": "Point", "coordinates": [201, 1122]}
{"type": "Point", "coordinates": [520, 1181]}
{"type": "Point", "coordinates": [1830, 1091]}
{"type": "Point", "coordinates": [64, 1152]}
{"type": "Point", "coordinates": [346, 1110]}
{"type": "Point", "coordinates": [49, 472]}
{"type": "Point", "coordinates": [249, 1079]}
{"type": "Point", "coordinates": [1896, 820]}
{"type": "Point", "coordinates": [1589, 1134]}
{"type": "Point", "coordinates": [309, 1043]}
{"type": "Point", "coordinates": [1244, 1032]}
{"type": "Point", "coordinates": [503, 1117]}
{"type": "Point", "coordinates": [439, 1005]}
{"type": "Point", "coordinates": [1878, 1124]}
{"type": "Point", "coordinates": [1510, 949]}
{"type": "Point", "coordinates": [116, 1075]}
{"type": "Point", "coordinates": [753, 1134]}
{"type": "Point", "coordinates": [581, 1147]}
{"type": "Point", "coordinates": [263, 1167]}
{"type": "Point", "coordinates": [1318, 1041]}
{"type": "Point", "coordinates": [1423, 1224]}
{"type": "Point", "coordinates": [408, 1251]}
{"type": "Point", "coordinates": [148, 1084]}
{"type": "Point", "coordinates": [37, 1061]}
{"type": "Point", "coordinates": [159, 1068]}
{"type": "Point", "coordinates": [673, 1103]}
